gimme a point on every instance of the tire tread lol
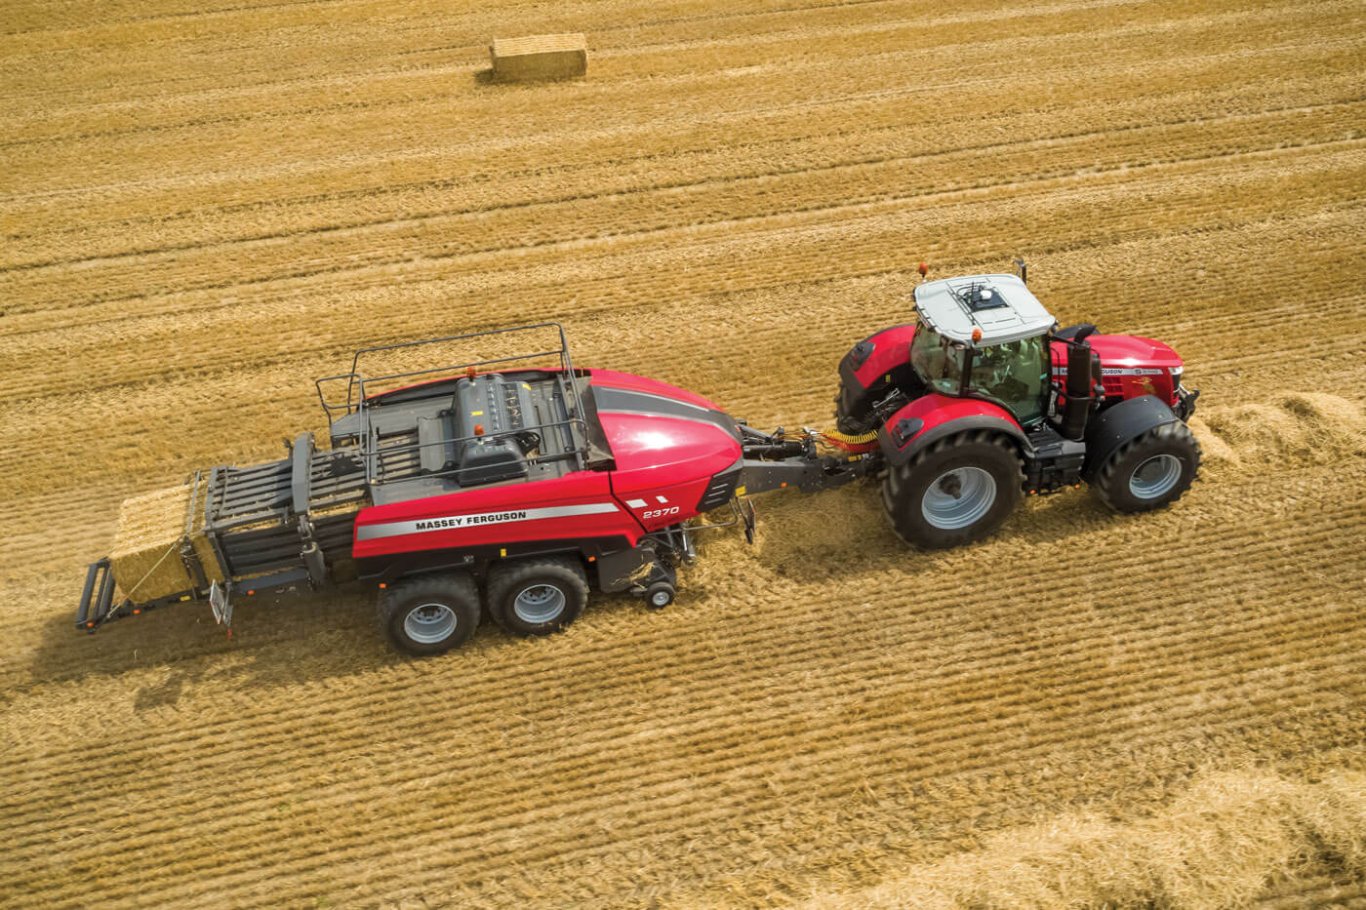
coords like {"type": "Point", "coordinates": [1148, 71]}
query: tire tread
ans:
{"type": "Point", "coordinates": [505, 576]}
{"type": "Point", "coordinates": [444, 585]}
{"type": "Point", "coordinates": [900, 477]}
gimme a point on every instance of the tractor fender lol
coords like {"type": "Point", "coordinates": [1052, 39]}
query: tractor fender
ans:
{"type": "Point", "coordinates": [1120, 423]}
{"type": "Point", "coordinates": [870, 371]}
{"type": "Point", "coordinates": [927, 419]}
{"type": "Point", "coordinates": [877, 355]}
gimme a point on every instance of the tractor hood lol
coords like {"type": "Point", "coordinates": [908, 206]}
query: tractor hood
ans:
{"type": "Point", "coordinates": [1124, 354]}
{"type": "Point", "coordinates": [1130, 366]}
{"type": "Point", "coordinates": [661, 435]}
{"type": "Point", "coordinates": [1130, 351]}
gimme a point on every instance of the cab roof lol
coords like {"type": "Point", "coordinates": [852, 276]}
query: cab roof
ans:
{"type": "Point", "coordinates": [1000, 305]}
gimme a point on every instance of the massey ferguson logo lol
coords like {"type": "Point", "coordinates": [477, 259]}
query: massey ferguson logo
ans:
{"type": "Point", "coordinates": [465, 521]}
{"type": "Point", "coordinates": [1131, 371]}
{"type": "Point", "coordinates": [449, 522]}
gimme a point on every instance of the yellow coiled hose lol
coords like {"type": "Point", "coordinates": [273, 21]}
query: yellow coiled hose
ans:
{"type": "Point", "coordinates": [844, 441]}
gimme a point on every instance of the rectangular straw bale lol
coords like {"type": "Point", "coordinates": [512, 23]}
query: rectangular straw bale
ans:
{"type": "Point", "coordinates": [539, 57]}
{"type": "Point", "coordinates": [146, 554]}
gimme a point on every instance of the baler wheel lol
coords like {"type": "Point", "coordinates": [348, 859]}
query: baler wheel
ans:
{"type": "Point", "coordinates": [1151, 470]}
{"type": "Point", "coordinates": [537, 596]}
{"type": "Point", "coordinates": [958, 490]}
{"type": "Point", "coordinates": [430, 614]}
{"type": "Point", "coordinates": [659, 595]}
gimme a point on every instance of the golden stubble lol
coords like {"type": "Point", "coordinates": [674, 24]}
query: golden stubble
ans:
{"type": "Point", "coordinates": [204, 209]}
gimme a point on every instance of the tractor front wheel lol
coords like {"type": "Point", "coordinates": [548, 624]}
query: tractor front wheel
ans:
{"type": "Point", "coordinates": [1149, 471]}
{"type": "Point", "coordinates": [958, 490]}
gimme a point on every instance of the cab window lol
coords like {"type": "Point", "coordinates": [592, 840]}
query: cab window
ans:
{"type": "Point", "coordinates": [938, 361]}
{"type": "Point", "coordinates": [1014, 375]}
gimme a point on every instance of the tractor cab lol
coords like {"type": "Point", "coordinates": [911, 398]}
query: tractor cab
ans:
{"type": "Point", "coordinates": [984, 337]}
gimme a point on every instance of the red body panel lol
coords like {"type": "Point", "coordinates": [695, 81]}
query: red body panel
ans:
{"type": "Point", "coordinates": [935, 410]}
{"type": "Point", "coordinates": [664, 464]}
{"type": "Point", "coordinates": [664, 461]}
{"type": "Point", "coordinates": [891, 349]}
{"type": "Point", "coordinates": [510, 513]}
{"type": "Point", "coordinates": [666, 452]}
{"type": "Point", "coordinates": [1131, 366]}
{"type": "Point", "coordinates": [656, 450]}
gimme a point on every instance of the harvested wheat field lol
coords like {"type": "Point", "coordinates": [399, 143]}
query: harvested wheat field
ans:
{"type": "Point", "coordinates": [207, 205]}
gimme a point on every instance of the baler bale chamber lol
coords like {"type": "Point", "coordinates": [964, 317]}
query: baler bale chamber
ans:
{"type": "Point", "coordinates": [260, 527]}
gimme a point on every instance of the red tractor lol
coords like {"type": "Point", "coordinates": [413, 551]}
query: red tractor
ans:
{"type": "Point", "coordinates": [984, 400]}
{"type": "Point", "coordinates": [510, 484]}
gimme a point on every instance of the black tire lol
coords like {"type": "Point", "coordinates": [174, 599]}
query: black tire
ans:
{"type": "Point", "coordinates": [537, 596]}
{"type": "Point", "coordinates": [659, 595]}
{"type": "Point", "coordinates": [1163, 461]}
{"type": "Point", "coordinates": [936, 471]}
{"type": "Point", "coordinates": [430, 614]}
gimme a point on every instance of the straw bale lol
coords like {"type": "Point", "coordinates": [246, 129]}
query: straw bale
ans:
{"type": "Point", "coordinates": [146, 554]}
{"type": "Point", "coordinates": [537, 57]}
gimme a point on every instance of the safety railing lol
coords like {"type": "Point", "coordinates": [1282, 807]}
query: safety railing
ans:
{"type": "Point", "coordinates": [360, 389]}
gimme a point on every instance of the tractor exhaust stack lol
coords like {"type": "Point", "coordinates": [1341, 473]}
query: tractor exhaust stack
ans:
{"type": "Point", "coordinates": [1080, 391]}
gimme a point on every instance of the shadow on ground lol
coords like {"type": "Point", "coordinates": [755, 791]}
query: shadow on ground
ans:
{"type": "Point", "coordinates": [288, 640]}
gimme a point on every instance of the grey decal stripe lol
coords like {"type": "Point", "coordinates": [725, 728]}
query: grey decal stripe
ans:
{"type": "Point", "coordinates": [624, 401]}
{"type": "Point", "coordinates": [450, 522]}
{"type": "Point", "coordinates": [1119, 371]}
{"type": "Point", "coordinates": [630, 400]}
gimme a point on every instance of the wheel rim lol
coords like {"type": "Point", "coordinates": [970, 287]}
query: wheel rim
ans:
{"type": "Point", "coordinates": [430, 623]}
{"type": "Point", "coordinates": [661, 598]}
{"type": "Point", "coordinates": [1155, 477]}
{"type": "Point", "coordinates": [958, 498]}
{"type": "Point", "coordinates": [538, 604]}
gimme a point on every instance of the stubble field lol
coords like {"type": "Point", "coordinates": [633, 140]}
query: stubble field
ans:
{"type": "Point", "coordinates": [204, 207]}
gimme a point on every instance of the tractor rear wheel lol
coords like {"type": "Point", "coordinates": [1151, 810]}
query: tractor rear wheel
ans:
{"type": "Point", "coordinates": [430, 614]}
{"type": "Point", "coordinates": [537, 596]}
{"type": "Point", "coordinates": [1149, 471]}
{"type": "Point", "coordinates": [956, 491]}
